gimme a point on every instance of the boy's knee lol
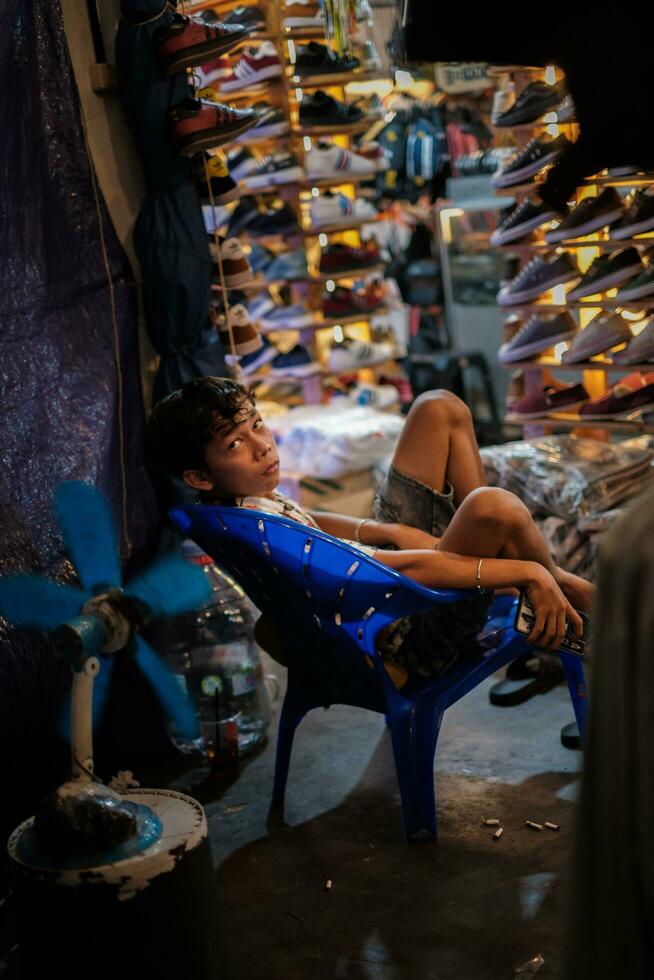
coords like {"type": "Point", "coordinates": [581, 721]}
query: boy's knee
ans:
{"type": "Point", "coordinates": [498, 507]}
{"type": "Point", "coordinates": [442, 406]}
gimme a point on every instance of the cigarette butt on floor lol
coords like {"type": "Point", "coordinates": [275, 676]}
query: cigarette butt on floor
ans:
{"type": "Point", "coordinates": [533, 825]}
{"type": "Point", "coordinates": [551, 826]}
{"type": "Point", "coordinates": [491, 822]}
{"type": "Point", "coordinates": [328, 885]}
{"type": "Point", "coordinates": [498, 833]}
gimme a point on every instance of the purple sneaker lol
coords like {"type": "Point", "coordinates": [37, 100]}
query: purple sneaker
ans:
{"type": "Point", "coordinates": [539, 333]}
{"type": "Point", "coordinates": [550, 400]}
{"type": "Point", "coordinates": [640, 350]}
{"type": "Point", "coordinates": [604, 331]}
{"type": "Point", "coordinates": [627, 396]}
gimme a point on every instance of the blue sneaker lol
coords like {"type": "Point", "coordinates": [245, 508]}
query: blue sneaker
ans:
{"type": "Point", "coordinates": [286, 317]}
{"type": "Point", "coordinates": [296, 362]}
{"type": "Point", "coordinates": [259, 258]}
{"type": "Point", "coordinates": [277, 221]}
{"type": "Point", "coordinates": [261, 305]}
{"type": "Point", "coordinates": [287, 266]}
{"type": "Point", "coordinates": [251, 363]}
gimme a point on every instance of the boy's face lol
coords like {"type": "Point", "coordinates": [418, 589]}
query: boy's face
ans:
{"type": "Point", "coordinates": [241, 460]}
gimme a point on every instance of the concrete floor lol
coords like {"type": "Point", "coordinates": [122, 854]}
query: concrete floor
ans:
{"type": "Point", "coordinates": [468, 907]}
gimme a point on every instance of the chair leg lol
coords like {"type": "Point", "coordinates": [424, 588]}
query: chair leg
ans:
{"type": "Point", "coordinates": [576, 678]}
{"type": "Point", "coordinates": [414, 732]}
{"type": "Point", "coordinates": [290, 717]}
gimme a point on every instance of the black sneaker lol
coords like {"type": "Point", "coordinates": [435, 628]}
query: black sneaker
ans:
{"type": "Point", "coordinates": [523, 219]}
{"type": "Point", "coordinates": [530, 161]}
{"type": "Point", "coordinates": [250, 17]}
{"type": "Point", "coordinates": [241, 163]}
{"type": "Point", "coordinates": [637, 218]}
{"type": "Point", "coordinates": [590, 215]}
{"type": "Point", "coordinates": [280, 168]}
{"type": "Point", "coordinates": [640, 287]}
{"type": "Point", "coordinates": [534, 100]}
{"type": "Point", "coordinates": [321, 111]}
{"type": "Point", "coordinates": [537, 277]}
{"type": "Point", "coordinates": [244, 213]}
{"type": "Point", "coordinates": [606, 272]}
{"type": "Point", "coordinates": [220, 188]}
{"type": "Point", "coordinates": [279, 221]}
{"type": "Point", "coordinates": [318, 59]}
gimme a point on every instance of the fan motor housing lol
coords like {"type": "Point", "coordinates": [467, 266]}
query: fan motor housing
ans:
{"type": "Point", "coordinates": [118, 615]}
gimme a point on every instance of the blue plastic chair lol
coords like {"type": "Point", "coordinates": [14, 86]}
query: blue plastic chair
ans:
{"type": "Point", "coordinates": [329, 601]}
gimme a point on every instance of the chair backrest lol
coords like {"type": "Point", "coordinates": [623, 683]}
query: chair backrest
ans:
{"type": "Point", "coordinates": [310, 584]}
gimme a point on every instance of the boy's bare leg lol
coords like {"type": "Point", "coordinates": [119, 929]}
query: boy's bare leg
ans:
{"type": "Point", "coordinates": [438, 444]}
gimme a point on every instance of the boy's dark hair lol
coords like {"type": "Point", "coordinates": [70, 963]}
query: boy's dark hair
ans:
{"type": "Point", "coordinates": [182, 424]}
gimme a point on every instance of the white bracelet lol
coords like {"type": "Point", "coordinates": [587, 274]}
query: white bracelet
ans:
{"type": "Point", "coordinates": [479, 575]}
{"type": "Point", "coordinates": [366, 520]}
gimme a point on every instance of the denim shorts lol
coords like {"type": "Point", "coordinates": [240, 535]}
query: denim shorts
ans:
{"type": "Point", "coordinates": [425, 644]}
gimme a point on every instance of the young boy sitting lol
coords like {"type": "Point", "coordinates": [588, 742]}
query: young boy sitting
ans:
{"type": "Point", "coordinates": [435, 519]}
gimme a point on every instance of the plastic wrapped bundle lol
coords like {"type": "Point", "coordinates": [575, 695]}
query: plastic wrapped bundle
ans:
{"type": "Point", "coordinates": [567, 476]}
{"type": "Point", "coordinates": [331, 441]}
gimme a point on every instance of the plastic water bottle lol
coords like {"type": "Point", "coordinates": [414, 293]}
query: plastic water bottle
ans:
{"type": "Point", "coordinates": [214, 655]}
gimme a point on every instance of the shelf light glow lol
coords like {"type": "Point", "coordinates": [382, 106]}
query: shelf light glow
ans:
{"type": "Point", "coordinates": [632, 315]}
{"type": "Point", "coordinates": [559, 351]}
{"type": "Point", "coordinates": [295, 79]}
{"type": "Point", "coordinates": [558, 294]}
{"type": "Point", "coordinates": [307, 143]}
{"type": "Point", "coordinates": [338, 334]}
{"type": "Point", "coordinates": [552, 130]}
{"type": "Point", "coordinates": [323, 240]}
{"type": "Point", "coordinates": [299, 94]}
{"type": "Point", "coordinates": [446, 216]}
{"type": "Point", "coordinates": [330, 285]}
{"type": "Point", "coordinates": [403, 78]}
{"type": "Point", "coordinates": [291, 51]}
{"type": "Point", "coordinates": [315, 192]}
{"type": "Point", "coordinates": [550, 75]}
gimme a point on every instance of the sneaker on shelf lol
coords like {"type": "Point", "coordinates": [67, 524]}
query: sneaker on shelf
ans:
{"type": "Point", "coordinates": [236, 269]}
{"type": "Point", "coordinates": [295, 362]}
{"type": "Point", "coordinates": [534, 100]}
{"type": "Point", "coordinates": [624, 399]}
{"type": "Point", "coordinates": [640, 287]}
{"type": "Point", "coordinates": [325, 160]}
{"type": "Point", "coordinates": [525, 218]}
{"type": "Point", "coordinates": [625, 171]}
{"type": "Point", "coordinates": [336, 209]}
{"type": "Point", "coordinates": [370, 105]}
{"type": "Point", "coordinates": [607, 272]}
{"type": "Point", "coordinates": [188, 41]}
{"type": "Point", "coordinates": [220, 187]}
{"type": "Point", "coordinates": [503, 100]}
{"type": "Point", "coordinates": [287, 267]}
{"type": "Point", "coordinates": [321, 111]}
{"type": "Point", "coordinates": [368, 57]}
{"type": "Point", "coordinates": [568, 399]}
{"type": "Point", "coordinates": [638, 215]}
{"type": "Point", "coordinates": [538, 334]}
{"type": "Point", "coordinates": [337, 257]}
{"type": "Point", "coordinates": [341, 302]}
{"type": "Point", "coordinates": [196, 125]}
{"type": "Point", "coordinates": [280, 168]}
{"type": "Point", "coordinates": [214, 218]}
{"type": "Point", "coordinates": [540, 275]}
{"type": "Point", "coordinates": [362, 12]}
{"type": "Point", "coordinates": [276, 221]}
{"type": "Point", "coordinates": [529, 162]}
{"type": "Point", "coordinates": [259, 305]}
{"type": "Point", "coordinates": [566, 111]}
{"type": "Point", "coordinates": [251, 363]}
{"type": "Point", "coordinates": [639, 350]}
{"type": "Point", "coordinates": [401, 383]}
{"type": "Point", "coordinates": [260, 258]}
{"type": "Point", "coordinates": [606, 330]}
{"type": "Point", "coordinates": [318, 59]}
{"type": "Point", "coordinates": [251, 17]}
{"type": "Point", "coordinates": [211, 73]}
{"type": "Point", "coordinates": [382, 397]}
{"type": "Point", "coordinates": [351, 355]}
{"type": "Point", "coordinates": [255, 65]}
{"type": "Point", "coordinates": [243, 214]}
{"type": "Point", "coordinates": [374, 152]}
{"type": "Point", "coordinates": [591, 214]}
{"type": "Point", "coordinates": [292, 317]}
{"type": "Point", "coordinates": [303, 13]}
{"type": "Point", "coordinates": [241, 163]}
{"type": "Point", "coordinates": [271, 121]}
{"type": "Point", "coordinates": [238, 327]}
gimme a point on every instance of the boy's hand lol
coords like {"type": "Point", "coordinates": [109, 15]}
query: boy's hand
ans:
{"type": "Point", "coordinates": [407, 538]}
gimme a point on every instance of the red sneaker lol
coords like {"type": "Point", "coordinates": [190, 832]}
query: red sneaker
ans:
{"type": "Point", "coordinates": [196, 125]}
{"type": "Point", "coordinates": [349, 302]}
{"type": "Point", "coordinates": [342, 258]}
{"type": "Point", "coordinates": [189, 41]}
{"type": "Point", "coordinates": [255, 65]}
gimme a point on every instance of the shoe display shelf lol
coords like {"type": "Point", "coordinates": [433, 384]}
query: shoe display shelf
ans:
{"type": "Point", "coordinates": [595, 372]}
{"type": "Point", "coordinates": [325, 323]}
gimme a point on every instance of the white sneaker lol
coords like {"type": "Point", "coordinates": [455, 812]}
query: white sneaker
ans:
{"type": "Point", "coordinates": [382, 397]}
{"type": "Point", "coordinates": [328, 160]}
{"type": "Point", "coordinates": [337, 209]}
{"type": "Point", "coordinates": [503, 100]}
{"type": "Point", "coordinates": [350, 355]}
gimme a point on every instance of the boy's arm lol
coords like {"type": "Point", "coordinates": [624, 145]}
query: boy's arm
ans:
{"type": "Point", "coordinates": [373, 532]}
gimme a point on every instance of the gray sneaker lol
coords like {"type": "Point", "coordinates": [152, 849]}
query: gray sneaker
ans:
{"type": "Point", "coordinates": [639, 287]}
{"type": "Point", "coordinates": [604, 331]}
{"type": "Point", "coordinates": [538, 276]}
{"type": "Point", "coordinates": [538, 334]}
{"type": "Point", "coordinates": [640, 350]}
